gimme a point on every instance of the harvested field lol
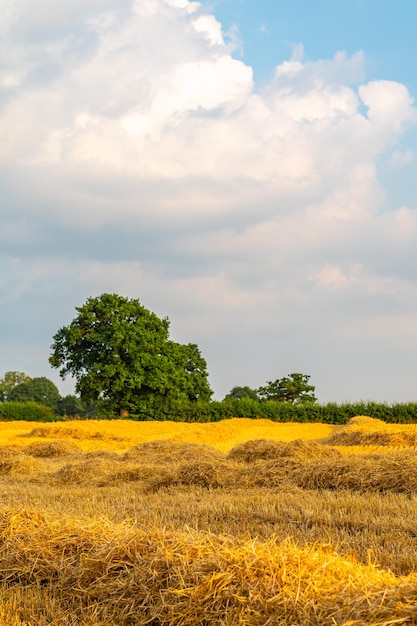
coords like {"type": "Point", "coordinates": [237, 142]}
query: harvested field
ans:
{"type": "Point", "coordinates": [187, 528]}
{"type": "Point", "coordinates": [122, 435]}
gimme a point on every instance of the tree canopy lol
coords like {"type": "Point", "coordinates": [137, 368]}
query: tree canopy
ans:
{"type": "Point", "coordinates": [70, 405]}
{"type": "Point", "coordinates": [39, 389]}
{"type": "Point", "coordinates": [239, 393]}
{"type": "Point", "coordinates": [119, 351]}
{"type": "Point", "coordinates": [292, 388]}
{"type": "Point", "coordinates": [9, 381]}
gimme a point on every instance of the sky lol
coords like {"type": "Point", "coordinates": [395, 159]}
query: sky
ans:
{"type": "Point", "coordinates": [247, 169]}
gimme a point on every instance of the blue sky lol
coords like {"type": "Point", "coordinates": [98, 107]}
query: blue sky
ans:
{"type": "Point", "coordinates": [382, 28]}
{"type": "Point", "coordinates": [246, 169]}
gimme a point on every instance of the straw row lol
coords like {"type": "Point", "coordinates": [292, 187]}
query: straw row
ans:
{"type": "Point", "coordinates": [130, 577]}
{"type": "Point", "coordinates": [165, 464]}
{"type": "Point", "coordinates": [367, 431]}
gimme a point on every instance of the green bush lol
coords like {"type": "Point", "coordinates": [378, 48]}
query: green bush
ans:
{"type": "Point", "coordinates": [28, 411]}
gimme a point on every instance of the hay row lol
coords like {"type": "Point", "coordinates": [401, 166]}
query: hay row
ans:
{"type": "Point", "coordinates": [367, 431]}
{"type": "Point", "coordinates": [58, 432]}
{"type": "Point", "coordinates": [168, 451]}
{"type": "Point", "coordinates": [389, 439]}
{"type": "Point", "coordinates": [265, 449]}
{"type": "Point", "coordinates": [126, 576]}
{"type": "Point", "coordinates": [391, 473]}
{"type": "Point", "coordinates": [157, 465]}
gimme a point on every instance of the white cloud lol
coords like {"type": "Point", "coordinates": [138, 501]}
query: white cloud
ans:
{"type": "Point", "coordinates": [333, 277]}
{"type": "Point", "coordinates": [402, 158]}
{"type": "Point", "coordinates": [389, 104]}
{"type": "Point", "coordinates": [138, 156]}
{"type": "Point", "coordinates": [210, 28]}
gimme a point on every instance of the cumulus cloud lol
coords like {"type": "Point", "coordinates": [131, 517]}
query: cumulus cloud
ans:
{"type": "Point", "coordinates": [401, 158]}
{"type": "Point", "coordinates": [138, 156]}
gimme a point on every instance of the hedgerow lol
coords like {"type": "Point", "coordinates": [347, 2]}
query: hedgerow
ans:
{"type": "Point", "coordinates": [215, 411]}
{"type": "Point", "coordinates": [28, 411]}
{"type": "Point", "coordinates": [330, 413]}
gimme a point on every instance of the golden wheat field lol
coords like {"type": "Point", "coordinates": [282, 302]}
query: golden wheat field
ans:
{"type": "Point", "coordinates": [247, 522]}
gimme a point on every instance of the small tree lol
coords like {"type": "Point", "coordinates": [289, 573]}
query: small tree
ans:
{"type": "Point", "coordinates": [70, 405]}
{"type": "Point", "coordinates": [39, 389]}
{"type": "Point", "coordinates": [9, 381]}
{"type": "Point", "coordinates": [240, 393]}
{"type": "Point", "coordinates": [292, 388]}
{"type": "Point", "coordinates": [119, 351]}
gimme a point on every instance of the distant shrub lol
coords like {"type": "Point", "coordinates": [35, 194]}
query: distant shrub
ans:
{"type": "Point", "coordinates": [27, 411]}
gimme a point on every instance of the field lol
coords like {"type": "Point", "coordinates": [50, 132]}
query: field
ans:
{"type": "Point", "coordinates": [246, 522]}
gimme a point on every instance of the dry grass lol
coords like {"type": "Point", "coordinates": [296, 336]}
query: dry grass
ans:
{"type": "Point", "coordinates": [168, 451]}
{"type": "Point", "coordinates": [366, 431]}
{"type": "Point", "coordinates": [51, 449]}
{"type": "Point", "coordinates": [20, 467]}
{"type": "Point", "coordinates": [143, 475]}
{"type": "Point", "coordinates": [391, 472]}
{"type": "Point", "coordinates": [121, 435]}
{"type": "Point", "coordinates": [85, 472]}
{"type": "Point", "coordinates": [257, 449]}
{"type": "Point", "coordinates": [103, 454]}
{"type": "Point", "coordinates": [7, 452]}
{"type": "Point", "coordinates": [264, 449]}
{"type": "Point", "coordinates": [210, 474]}
{"type": "Point", "coordinates": [117, 574]}
{"type": "Point", "coordinates": [64, 432]}
{"type": "Point", "coordinates": [185, 528]}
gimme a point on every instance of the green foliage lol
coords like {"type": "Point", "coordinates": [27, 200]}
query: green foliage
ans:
{"type": "Point", "coordinates": [241, 393]}
{"type": "Point", "coordinates": [294, 388]}
{"type": "Point", "coordinates": [119, 352]}
{"type": "Point", "coordinates": [28, 411]}
{"type": "Point", "coordinates": [71, 406]}
{"type": "Point", "coordinates": [187, 378]}
{"type": "Point", "coordinates": [40, 390]}
{"type": "Point", "coordinates": [213, 411]}
{"type": "Point", "coordinates": [9, 381]}
{"type": "Point", "coordinates": [303, 412]}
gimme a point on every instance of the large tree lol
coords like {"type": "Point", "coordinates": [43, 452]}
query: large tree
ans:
{"type": "Point", "coordinates": [188, 371]}
{"type": "Point", "coordinates": [119, 351]}
{"type": "Point", "coordinates": [292, 388]}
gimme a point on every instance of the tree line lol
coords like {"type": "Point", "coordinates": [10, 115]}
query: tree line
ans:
{"type": "Point", "coordinates": [120, 353]}
{"type": "Point", "coordinates": [18, 387]}
{"type": "Point", "coordinates": [125, 364]}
